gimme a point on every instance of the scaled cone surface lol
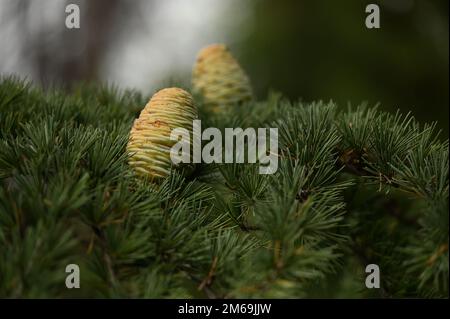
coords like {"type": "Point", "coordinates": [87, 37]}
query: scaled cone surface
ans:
{"type": "Point", "coordinates": [219, 79]}
{"type": "Point", "coordinates": [149, 144]}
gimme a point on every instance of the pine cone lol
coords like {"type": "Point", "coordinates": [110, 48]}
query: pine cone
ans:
{"type": "Point", "coordinates": [149, 143]}
{"type": "Point", "coordinates": [219, 78]}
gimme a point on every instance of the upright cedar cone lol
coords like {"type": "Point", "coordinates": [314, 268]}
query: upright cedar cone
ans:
{"type": "Point", "coordinates": [219, 78]}
{"type": "Point", "coordinates": [149, 143]}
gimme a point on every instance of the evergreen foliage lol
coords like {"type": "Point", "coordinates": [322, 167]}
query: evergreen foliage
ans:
{"type": "Point", "coordinates": [353, 187]}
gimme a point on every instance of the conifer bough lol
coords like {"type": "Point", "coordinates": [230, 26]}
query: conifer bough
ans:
{"type": "Point", "coordinates": [309, 230]}
{"type": "Point", "coordinates": [149, 143]}
{"type": "Point", "coordinates": [219, 79]}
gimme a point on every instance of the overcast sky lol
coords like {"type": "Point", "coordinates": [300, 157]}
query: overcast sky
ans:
{"type": "Point", "coordinates": [161, 38]}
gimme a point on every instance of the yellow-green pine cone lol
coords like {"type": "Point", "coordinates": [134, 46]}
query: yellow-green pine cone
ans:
{"type": "Point", "coordinates": [149, 142]}
{"type": "Point", "coordinates": [219, 79]}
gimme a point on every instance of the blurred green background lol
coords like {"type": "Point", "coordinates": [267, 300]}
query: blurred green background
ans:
{"type": "Point", "coordinates": [304, 49]}
{"type": "Point", "coordinates": [322, 50]}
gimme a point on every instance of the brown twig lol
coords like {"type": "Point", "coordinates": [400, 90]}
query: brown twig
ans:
{"type": "Point", "coordinates": [209, 278]}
